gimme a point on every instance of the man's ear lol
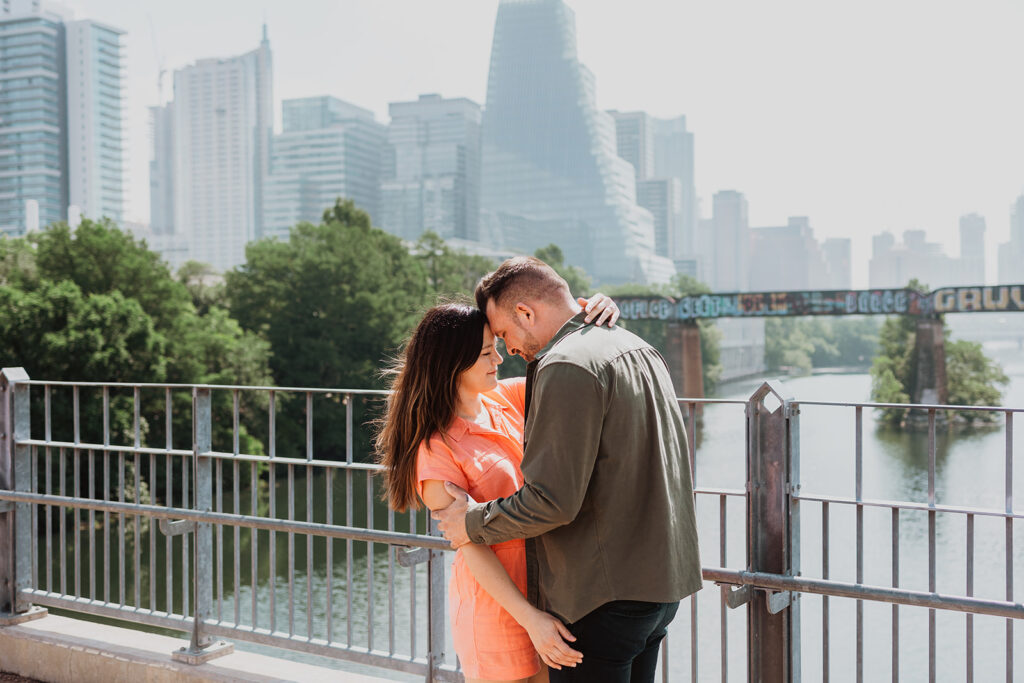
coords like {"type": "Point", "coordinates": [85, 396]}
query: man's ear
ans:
{"type": "Point", "coordinates": [526, 314]}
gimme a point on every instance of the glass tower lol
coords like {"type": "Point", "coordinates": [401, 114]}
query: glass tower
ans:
{"type": "Point", "coordinates": [327, 149]}
{"type": "Point", "coordinates": [33, 118]}
{"type": "Point", "coordinates": [550, 168]}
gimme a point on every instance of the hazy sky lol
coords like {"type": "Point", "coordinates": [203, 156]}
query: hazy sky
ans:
{"type": "Point", "coordinates": [880, 114]}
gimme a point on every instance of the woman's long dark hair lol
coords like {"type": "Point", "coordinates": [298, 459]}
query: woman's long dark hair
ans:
{"type": "Point", "coordinates": [425, 393]}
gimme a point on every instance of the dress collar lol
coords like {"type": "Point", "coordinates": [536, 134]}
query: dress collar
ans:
{"type": "Point", "coordinates": [461, 426]}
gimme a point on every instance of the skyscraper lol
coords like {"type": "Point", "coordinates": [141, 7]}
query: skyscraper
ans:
{"type": "Point", "coordinates": [1011, 254]}
{"type": "Point", "coordinates": [328, 149]}
{"type": "Point", "coordinates": [788, 257]}
{"type": "Point", "coordinates": [663, 197]}
{"type": "Point", "coordinates": [837, 251]}
{"type": "Point", "coordinates": [634, 141]}
{"type": "Point", "coordinates": [673, 158]}
{"type": "Point", "coordinates": [161, 170]}
{"type": "Point", "coordinates": [730, 263]}
{"type": "Point", "coordinates": [550, 168]}
{"type": "Point", "coordinates": [972, 249]}
{"type": "Point", "coordinates": [95, 119]}
{"type": "Point", "coordinates": [33, 117]}
{"type": "Point", "coordinates": [223, 120]}
{"type": "Point", "coordinates": [431, 178]}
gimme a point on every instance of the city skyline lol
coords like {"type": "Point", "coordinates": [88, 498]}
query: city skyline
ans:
{"type": "Point", "coordinates": [887, 118]}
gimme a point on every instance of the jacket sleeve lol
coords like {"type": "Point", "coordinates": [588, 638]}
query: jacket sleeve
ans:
{"type": "Point", "coordinates": [563, 436]}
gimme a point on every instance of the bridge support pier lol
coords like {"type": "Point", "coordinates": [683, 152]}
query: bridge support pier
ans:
{"type": "Point", "coordinates": [684, 358]}
{"type": "Point", "coordinates": [929, 384]}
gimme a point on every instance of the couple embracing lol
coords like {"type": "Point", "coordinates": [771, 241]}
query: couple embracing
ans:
{"type": "Point", "coordinates": [584, 541]}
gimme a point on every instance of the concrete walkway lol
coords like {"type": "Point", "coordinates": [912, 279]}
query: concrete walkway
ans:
{"type": "Point", "coordinates": [57, 649]}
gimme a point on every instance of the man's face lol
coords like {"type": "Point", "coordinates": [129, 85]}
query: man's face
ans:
{"type": "Point", "coordinates": [515, 328]}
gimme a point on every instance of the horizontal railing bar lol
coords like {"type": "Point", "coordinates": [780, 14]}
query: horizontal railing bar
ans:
{"type": "Point", "coordinates": [906, 505]}
{"type": "Point", "coordinates": [110, 448]}
{"type": "Point", "coordinates": [720, 492]}
{"type": "Point", "coordinates": [911, 406]}
{"type": "Point", "coordinates": [154, 385]}
{"type": "Point", "coordinates": [108, 609]}
{"type": "Point", "coordinates": [1011, 610]}
{"type": "Point", "coordinates": [246, 633]}
{"type": "Point", "coordinates": [716, 401]}
{"type": "Point", "coordinates": [228, 519]}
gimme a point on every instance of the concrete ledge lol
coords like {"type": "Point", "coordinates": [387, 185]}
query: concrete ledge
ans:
{"type": "Point", "coordinates": [62, 650]}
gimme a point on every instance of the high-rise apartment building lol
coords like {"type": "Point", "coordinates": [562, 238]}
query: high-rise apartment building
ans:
{"type": "Point", "coordinates": [431, 176]}
{"type": "Point", "coordinates": [161, 170]}
{"type": "Point", "coordinates": [663, 197]}
{"type": "Point", "coordinates": [730, 258]}
{"type": "Point", "coordinates": [95, 119]}
{"type": "Point", "coordinates": [550, 168]}
{"type": "Point", "coordinates": [223, 121]}
{"type": "Point", "coordinates": [837, 252]}
{"type": "Point", "coordinates": [972, 249]}
{"type": "Point", "coordinates": [1011, 254]}
{"type": "Point", "coordinates": [328, 149]}
{"type": "Point", "coordinates": [673, 158]}
{"type": "Point", "coordinates": [788, 257]}
{"type": "Point", "coordinates": [33, 117]}
{"type": "Point", "coordinates": [894, 265]}
{"type": "Point", "coordinates": [634, 141]}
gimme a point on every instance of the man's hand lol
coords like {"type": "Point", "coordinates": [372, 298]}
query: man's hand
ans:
{"type": "Point", "coordinates": [452, 519]}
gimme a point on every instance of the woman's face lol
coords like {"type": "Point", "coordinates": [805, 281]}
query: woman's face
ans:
{"type": "Point", "coordinates": [483, 375]}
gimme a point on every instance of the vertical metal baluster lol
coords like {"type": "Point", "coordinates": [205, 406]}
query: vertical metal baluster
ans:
{"type": "Point", "coordinates": [1009, 542]}
{"type": "Point", "coordinates": [63, 534]}
{"type": "Point", "coordinates": [970, 594]}
{"type": "Point", "coordinates": [186, 580]}
{"type": "Point", "coordinates": [291, 551]}
{"type": "Point", "coordinates": [218, 554]}
{"type": "Point", "coordinates": [254, 483]}
{"type": "Point", "coordinates": [34, 521]}
{"type": "Point", "coordinates": [693, 599]}
{"type": "Point", "coordinates": [235, 490]}
{"type": "Point", "coordinates": [859, 481]}
{"type": "Point", "coordinates": [152, 533]}
{"type": "Point", "coordinates": [92, 526]}
{"type": "Point", "coordinates": [412, 592]}
{"type": "Point", "coordinates": [137, 477]}
{"type": "Point", "coordinates": [895, 584]}
{"type": "Point", "coordinates": [76, 519]}
{"type": "Point", "coordinates": [273, 512]}
{"type": "Point", "coordinates": [49, 487]}
{"type": "Point", "coordinates": [330, 555]}
{"type": "Point", "coordinates": [391, 587]}
{"type": "Point", "coordinates": [121, 522]}
{"type": "Point", "coordinates": [724, 645]}
{"type": "Point", "coordinates": [369, 563]}
{"type": "Point", "coordinates": [253, 539]}
{"type": "Point", "coordinates": [106, 493]}
{"type": "Point", "coordinates": [168, 499]}
{"type": "Point", "coordinates": [309, 515]}
{"type": "Point", "coordinates": [825, 644]}
{"type": "Point", "coordinates": [348, 515]}
{"type": "Point", "coordinates": [931, 542]}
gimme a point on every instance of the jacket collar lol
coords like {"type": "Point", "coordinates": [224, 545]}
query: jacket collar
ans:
{"type": "Point", "coordinates": [571, 325]}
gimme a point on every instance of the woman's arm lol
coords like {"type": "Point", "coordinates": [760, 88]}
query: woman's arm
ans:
{"type": "Point", "coordinates": [547, 633]}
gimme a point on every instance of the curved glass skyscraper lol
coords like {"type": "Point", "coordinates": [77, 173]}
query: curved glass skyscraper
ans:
{"type": "Point", "coordinates": [550, 168]}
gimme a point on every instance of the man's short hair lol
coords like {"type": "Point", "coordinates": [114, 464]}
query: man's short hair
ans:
{"type": "Point", "coordinates": [523, 278]}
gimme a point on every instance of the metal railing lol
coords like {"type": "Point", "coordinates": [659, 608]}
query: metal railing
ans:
{"type": "Point", "coordinates": [95, 518]}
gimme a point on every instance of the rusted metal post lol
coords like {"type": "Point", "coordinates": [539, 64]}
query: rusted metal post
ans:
{"type": "Point", "coordinates": [772, 617]}
{"type": "Point", "coordinates": [15, 518]}
{"type": "Point", "coordinates": [685, 362]}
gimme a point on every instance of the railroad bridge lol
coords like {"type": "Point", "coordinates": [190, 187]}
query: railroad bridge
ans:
{"type": "Point", "coordinates": [683, 339]}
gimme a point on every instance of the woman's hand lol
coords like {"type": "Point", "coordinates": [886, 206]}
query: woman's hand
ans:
{"type": "Point", "coordinates": [602, 307]}
{"type": "Point", "coordinates": [549, 636]}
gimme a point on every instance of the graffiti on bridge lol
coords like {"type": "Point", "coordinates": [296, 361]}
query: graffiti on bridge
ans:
{"type": "Point", "coordinates": [999, 298]}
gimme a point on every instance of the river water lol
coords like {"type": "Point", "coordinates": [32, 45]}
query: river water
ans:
{"type": "Point", "coordinates": [970, 468]}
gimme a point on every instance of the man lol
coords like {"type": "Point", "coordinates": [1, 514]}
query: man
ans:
{"type": "Point", "coordinates": [607, 504]}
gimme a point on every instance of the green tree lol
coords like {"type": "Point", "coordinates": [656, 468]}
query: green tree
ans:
{"type": "Point", "coordinates": [334, 301]}
{"type": "Point", "coordinates": [204, 285]}
{"type": "Point", "coordinates": [451, 272]}
{"type": "Point", "coordinates": [971, 377]}
{"type": "Point", "coordinates": [578, 280]}
{"type": "Point", "coordinates": [655, 332]}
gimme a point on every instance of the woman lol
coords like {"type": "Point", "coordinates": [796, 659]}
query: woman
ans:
{"type": "Point", "coordinates": [450, 419]}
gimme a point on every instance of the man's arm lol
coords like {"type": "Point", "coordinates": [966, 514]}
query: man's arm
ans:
{"type": "Point", "coordinates": [563, 437]}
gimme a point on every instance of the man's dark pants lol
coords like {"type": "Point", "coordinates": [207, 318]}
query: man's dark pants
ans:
{"type": "Point", "coordinates": [619, 641]}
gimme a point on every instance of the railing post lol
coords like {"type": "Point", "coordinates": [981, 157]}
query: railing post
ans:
{"type": "Point", "coordinates": [772, 627]}
{"type": "Point", "coordinates": [436, 599]}
{"type": "Point", "coordinates": [15, 518]}
{"type": "Point", "coordinates": [202, 647]}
